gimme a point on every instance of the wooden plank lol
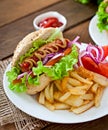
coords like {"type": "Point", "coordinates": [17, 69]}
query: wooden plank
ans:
{"type": "Point", "coordinates": [92, 125]}
{"type": "Point", "coordinates": [15, 9]}
{"type": "Point", "coordinates": [11, 34]}
{"type": "Point", "coordinates": [80, 30]}
{"type": "Point", "coordinates": [99, 124]}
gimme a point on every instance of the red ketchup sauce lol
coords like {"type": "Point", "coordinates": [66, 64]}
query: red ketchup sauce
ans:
{"type": "Point", "coordinates": [50, 22]}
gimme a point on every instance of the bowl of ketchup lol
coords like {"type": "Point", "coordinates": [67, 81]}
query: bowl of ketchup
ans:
{"type": "Point", "coordinates": [50, 19]}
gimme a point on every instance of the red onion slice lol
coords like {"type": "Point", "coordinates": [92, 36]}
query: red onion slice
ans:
{"type": "Point", "coordinates": [22, 75]}
{"type": "Point", "coordinates": [48, 56]}
{"type": "Point", "coordinates": [82, 54]}
{"type": "Point", "coordinates": [28, 75]}
{"type": "Point", "coordinates": [56, 56]}
{"type": "Point", "coordinates": [105, 60]}
{"type": "Point", "coordinates": [96, 53]}
{"type": "Point", "coordinates": [101, 53]}
{"type": "Point", "coordinates": [75, 41]}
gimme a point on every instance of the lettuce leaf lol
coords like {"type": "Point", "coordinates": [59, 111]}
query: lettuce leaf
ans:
{"type": "Point", "coordinates": [89, 1]}
{"type": "Point", "coordinates": [83, 1]}
{"type": "Point", "coordinates": [12, 75]}
{"type": "Point", "coordinates": [102, 23]}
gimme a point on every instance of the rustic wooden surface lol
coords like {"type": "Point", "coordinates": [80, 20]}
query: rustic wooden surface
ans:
{"type": "Point", "coordinates": [16, 9]}
{"type": "Point", "coordinates": [12, 33]}
{"type": "Point", "coordinates": [16, 19]}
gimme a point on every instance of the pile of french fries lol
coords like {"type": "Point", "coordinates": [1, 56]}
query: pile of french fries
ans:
{"type": "Point", "coordinates": [77, 92]}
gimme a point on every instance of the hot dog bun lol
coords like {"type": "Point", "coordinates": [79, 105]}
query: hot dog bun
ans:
{"type": "Point", "coordinates": [26, 43]}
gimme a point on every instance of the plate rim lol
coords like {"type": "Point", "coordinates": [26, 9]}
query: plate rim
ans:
{"type": "Point", "coordinates": [92, 23]}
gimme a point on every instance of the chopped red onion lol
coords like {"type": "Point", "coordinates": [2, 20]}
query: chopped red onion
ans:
{"type": "Point", "coordinates": [22, 75]}
{"type": "Point", "coordinates": [97, 57]}
{"type": "Point", "coordinates": [91, 48]}
{"type": "Point", "coordinates": [75, 41]}
{"type": "Point", "coordinates": [45, 60]}
{"type": "Point", "coordinates": [28, 75]}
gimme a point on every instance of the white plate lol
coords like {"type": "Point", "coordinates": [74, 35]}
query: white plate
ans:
{"type": "Point", "coordinates": [100, 38]}
{"type": "Point", "coordinates": [29, 105]}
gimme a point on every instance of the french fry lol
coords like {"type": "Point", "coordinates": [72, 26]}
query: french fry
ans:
{"type": "Point", "coordinates": [74, 82]}
{"type": "Point", "coordinates": [94, 88]}
{"type": "Point", "coordinates": [74, 101]}
{"type": "Point", "coordinates": [47, 94]}
{"type": "Point", "coordinates": [83, 108]}
{"type": "Point", "coordinates": [103, 81]}
{"type": "Point", "coordinates": [58, 85]}
{"type": "Point", "coordinates": [81, 79]}
{"type": "Point", "coordinates": [57, 95]}
{"type": "Point", "coordinates": [77, 91]}
{"type": "Point", "coordinates": [98, 96]}
{"type": "Point", "coordinates": [42, 97]}
{"type": "Point", "coordinates": [88, 96]}
{"type": "Point", "coordinates": [85, 73]}
{"type": "Point", "coordinates": [86, 102]}
{"type": "Point", "coordinates": [49, 105]}
{"type": "Point", "coordinates": [85, 87]}
{"type": "Point", "coordinates": [51, 90]}
{"type": "Point", "coordinates": [64, 83]}
{"type": "Point", "coordinates": [65, 96]}
{"type": "Point", "coordinates": [61, 106]}
{"type": "Point", "coordinates": [94, 76]}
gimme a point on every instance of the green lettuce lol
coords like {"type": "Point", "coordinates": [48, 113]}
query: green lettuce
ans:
{"type": "Point", "coordinates": [89, 1]}
{"type": "Point", "coordinates": [12, 75]}
{"type": "Point", "coordinates": [102, 23]}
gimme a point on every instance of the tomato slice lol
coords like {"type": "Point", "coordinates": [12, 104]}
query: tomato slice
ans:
{"type": "Point", "coordinates": [103, 68]}
{"type": "Point", "coordinates": [53, 61]}
{"type": "Point", "coordinates": [105, 48]}
{"type": "Point", "coordinates": [90, 64]}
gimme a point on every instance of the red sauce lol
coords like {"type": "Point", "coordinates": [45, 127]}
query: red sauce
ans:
{"type": "Point", "coordinates": [50, 22]}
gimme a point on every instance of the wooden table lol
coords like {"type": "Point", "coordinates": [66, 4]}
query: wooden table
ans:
{"type": "Point", "coordinates": [16, 19]}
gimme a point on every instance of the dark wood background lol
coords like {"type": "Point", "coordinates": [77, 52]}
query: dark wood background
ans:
{"type": "Point", "coordinates": [78, 17]}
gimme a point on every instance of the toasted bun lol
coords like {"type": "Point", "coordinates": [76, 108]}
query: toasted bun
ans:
{"type": "Point", "coordinates": [26, 43]}
{"type": "Point", "coordinates": [44, 81]}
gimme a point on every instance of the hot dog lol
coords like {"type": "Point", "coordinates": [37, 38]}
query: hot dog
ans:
{"type": "Point", "coordinates": [39, 58]}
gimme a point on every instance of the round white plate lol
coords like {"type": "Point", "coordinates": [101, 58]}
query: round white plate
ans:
{"type": "Point", "coordinates": [29, 105]}
{"type": "Point", "coordinates": [100, 38]}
